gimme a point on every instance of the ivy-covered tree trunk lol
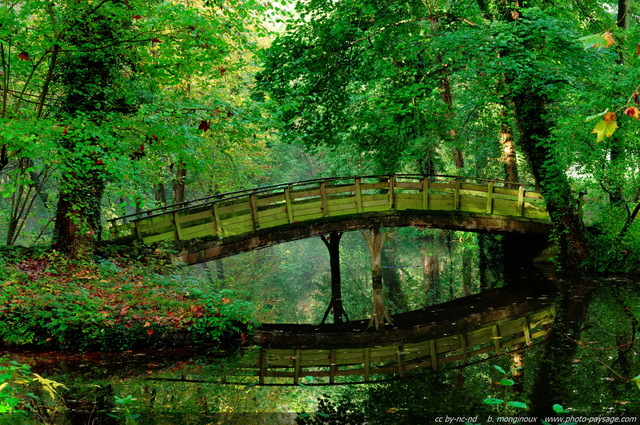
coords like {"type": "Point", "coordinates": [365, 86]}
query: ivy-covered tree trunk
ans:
{"type": "Point", "coordinates": [77, 222]}
{"type": "Point", "coordinates": [91, 79]}
{"type": "Point", "coordinates": [535, 135]}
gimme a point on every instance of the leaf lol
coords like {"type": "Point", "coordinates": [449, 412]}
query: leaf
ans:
{"type": "Point", "coordinates": [637, 380]}
{"type": "Point", "coordinates": [593, 117]}
{"type": "Point", "coordinates": [593, 41]}
{"type": "Point", "coordinates": [518, 404]}
{"type": "Point", "coordinates": [609, 39]}
{"type": "Point", "coordinates": [492, 401]}
{"type": "Point", "coordinates": [499, 369]}
{"type": "Point", "coordinates": [204, 125]}
{"type": "Point", "coordinates": [48, 385]}
{"type": "Point", "coordinates": [322, 414]}
{"type": "Point", "coordinates": [559, 409]}
{"type": "Point", "coordinates": [507, 382]}
{"type": "Point", "coordinates": [604, 128]}
{"type": "Point", "coordinates": [632, 111]}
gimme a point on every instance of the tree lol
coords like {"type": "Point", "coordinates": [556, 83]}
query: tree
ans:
{"type": "Point", "coordinates": [95, 88]}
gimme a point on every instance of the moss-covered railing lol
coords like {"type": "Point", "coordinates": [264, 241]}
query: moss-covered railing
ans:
{"type": "Point", "coordinates": [293, 366]}
{"type": "Point", "coordinates": [248, 211]}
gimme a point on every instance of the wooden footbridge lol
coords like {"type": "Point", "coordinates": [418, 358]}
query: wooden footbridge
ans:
{"type": "Point", "coordinates": [235, 222]}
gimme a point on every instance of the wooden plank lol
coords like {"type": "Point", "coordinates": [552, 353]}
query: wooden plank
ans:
{"type": "Point", "coordinates": [489, 209]}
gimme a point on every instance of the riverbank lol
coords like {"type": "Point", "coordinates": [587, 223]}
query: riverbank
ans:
{"type": "Point", "coordinates": [49, 302]}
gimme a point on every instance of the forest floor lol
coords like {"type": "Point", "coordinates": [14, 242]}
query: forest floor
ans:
{"type": "Point", "coordinates": [115, 304]}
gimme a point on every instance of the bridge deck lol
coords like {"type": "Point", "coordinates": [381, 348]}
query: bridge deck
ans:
{"type": "Point", "coordinates": [251, 211]}
{"type": "Point", "coordinates": [451, 334]}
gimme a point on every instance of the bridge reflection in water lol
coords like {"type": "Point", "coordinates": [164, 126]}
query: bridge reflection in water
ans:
{"type": "Point", "coordinates": [453, 334]}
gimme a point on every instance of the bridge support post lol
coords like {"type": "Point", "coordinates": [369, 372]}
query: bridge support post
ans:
{"type": "Point", "coordinates": [333, 245]}
{"type": "Point", "coordinates": [375, 240]}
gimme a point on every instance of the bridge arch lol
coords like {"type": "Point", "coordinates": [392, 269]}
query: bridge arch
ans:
{"type": "Point", "coordinates": [231, 223]}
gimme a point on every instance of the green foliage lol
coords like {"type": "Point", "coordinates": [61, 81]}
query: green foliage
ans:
{"type": "Point", "coordinates": [56, 303]}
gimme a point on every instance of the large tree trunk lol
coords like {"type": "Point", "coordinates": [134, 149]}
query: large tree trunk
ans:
{"type": "Point", "coordinates": [531, 108]}
{"type": "Point", "coordinates": [77, 223]}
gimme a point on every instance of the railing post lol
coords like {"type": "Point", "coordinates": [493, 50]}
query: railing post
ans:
{"type": "Point", "coordinates": [425, 193]}
{"type": "Point", "coordinates": [526, 330]}
{"type": "Point", "coordinates": [263, 362]}
{"type": "Point", "coordinates": [358, 194]}
{"type": "Point", "coordinates": [434, 355]}
{"type": "Point", "coordinates": [496, 338]}
{"type": "Point", "coordinates": [521, 201]}
{"type": "Point", "coordinates": [456, 194]}
{"type": "Point", "coordinates": [216, 217]}
{"type": "Point", "coordinates": [367, 364]}
{"type": "Point", "coordinates": [138, 230]}
{"type": "Point", "coordinates": [323, 199]}
{"type": "Point", "coordinates": [490, 197]}
{"type": "Point", "coordinates": [287, 203]}
{"type": "Point", "coordinates": [296, 367]}
{"type": "Point", "coordinates": [332, 366]}
{"type": "Point", "coordinates": [399, 360]}
{"type": "Point", "coordinates": [391, 194]}
{"type": "Point", "coordinates": [254, 211]}
{"type": "Point", "coordinates": [463, 347]}
{"type": "Point", "coordinates": [176, 223]}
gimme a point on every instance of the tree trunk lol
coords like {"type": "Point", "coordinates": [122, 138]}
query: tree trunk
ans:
{"type": "Point", "coordinates": [160, 194]}
{"type": "Point", "coordinates": [332, 243]}
{"type": "Point", "coordinates": [379, 316]}
{"type": "Point", "coordinates": [508, 151]}
{"type": "Point", "coordinates": [531, 109]}
{"type": "Point", "coordinates": [179, 183]}
{"type": "Point", "coordinates": [78, 212]}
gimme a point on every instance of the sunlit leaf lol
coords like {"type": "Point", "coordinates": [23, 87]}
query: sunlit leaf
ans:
{"type": "Point", "coordinates": [596, 40]}
{"type": "Point", "coordinates": [499, 369]}
{"type": "Point", "coordinates": [605, 128]}
{"type": "Point", "coordinates": [507, 382]}
{"type": "Point", "coordinates": [492, 401]}
{"type": "Point", "coordinates": [559, 409]}
{"type": "Point", "coordinates": [518, 404]}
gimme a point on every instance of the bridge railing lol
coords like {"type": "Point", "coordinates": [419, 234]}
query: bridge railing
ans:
{"type": "Point", "coordinates": [247, 211]}
{"type": "Point", "coordinates": [343, 365]}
